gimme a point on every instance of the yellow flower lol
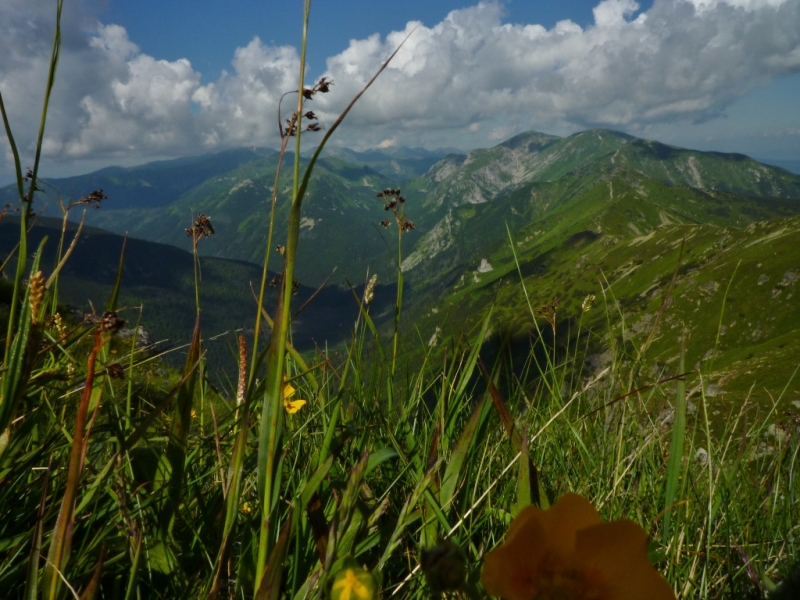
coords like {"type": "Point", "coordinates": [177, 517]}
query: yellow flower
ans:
{"type": "Point", "coordinates": [246, 508]}
{"type": "Point", "coordinates": [568, 553]}
{"type": "Point", "coordinates": [194, 413]}
{"type": "Point", "coordinates": [291, 406]}
{"type": "Point", "coordinates": [353, 583]}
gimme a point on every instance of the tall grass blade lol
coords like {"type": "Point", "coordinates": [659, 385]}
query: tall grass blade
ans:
{"type": "Point", "coordinates": [675, 450]}
{"type": "Point", "coordinates": [270, 587]}
{"type": "Point", "coordinates": [538, 493]}
{"type": "Point", "coordinates": [232, 493]}
{"type": "Point", "coordinates": [32, 583]}
{"type": "Point", "coordinates": [19, 357]}
{"type": "Point", "coordinates": [61, 538]}
{"type": "Point", "coordinates": [458, 458]}
{"type": "Point", "coordinates": [26, 200]}
{"type": "Point", "coordinates": [179, 433]}
{"type": "Point", "coordinates": [271, 416]}
{"type": "Point", "coordinates": [133, 578]}
{"type": "Point", "coordinates": [523, 480]}
{"type": "Point", "coordinates": [474, 355]}
{"type": "Point", "coordinates": [112, 301]}
{"type": "Point", "coordinates": [91, 591]}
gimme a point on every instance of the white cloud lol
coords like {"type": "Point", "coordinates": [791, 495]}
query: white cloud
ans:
{"type": "Point", "coordinates": [680, 60]}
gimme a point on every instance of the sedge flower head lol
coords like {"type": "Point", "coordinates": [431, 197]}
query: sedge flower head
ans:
{"type": "Point", "coordinates": [291, 406]}
{"type": "Point", "coordinates": [568, 553]}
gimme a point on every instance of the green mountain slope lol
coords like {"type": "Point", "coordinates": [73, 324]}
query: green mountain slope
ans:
{"type": "Point", "coordinates": [596, 212]}
{"type": "Point", "coordinates": [337, 232]}
{"type": "Point", "coordinates": [160, 278]}
{"type": "Point", "coordinates": [466, 234]}
{"type": "Point", "coordinates": [146, 186]}
{"type": "Point", "coordinates": [340, 212]}
{"type": "Point", "coordinates": [553, 171]}
{"type": "Point", "coordinates": [621, 241]}
{"type": "Point", "coordinates": [394, 163]}
{"type": "Point", "coordinates": [534, 157]}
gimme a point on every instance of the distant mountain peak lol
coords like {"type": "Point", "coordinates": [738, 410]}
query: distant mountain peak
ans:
{"type": "Point", "coordinates": [530, 140]}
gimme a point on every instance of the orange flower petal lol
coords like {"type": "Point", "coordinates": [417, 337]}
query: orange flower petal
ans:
{"type": "Point", "coordinates": [510, 570]}
{"type": "Point", "coordinates": [616, 554]}
{"type": "Point", "coordinates": [527, 513]}
{"type": "Point", "coordinates": [564, 519]}
{"type": "Point", "coordinates": [539, 543]}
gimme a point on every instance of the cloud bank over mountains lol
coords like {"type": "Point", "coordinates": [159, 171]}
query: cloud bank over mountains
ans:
{"type": "Point", "coordinates": [471, 77]}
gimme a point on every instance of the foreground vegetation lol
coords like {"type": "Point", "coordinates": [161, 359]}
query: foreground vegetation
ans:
{"type": "Point", "coordinates": [347, 472]}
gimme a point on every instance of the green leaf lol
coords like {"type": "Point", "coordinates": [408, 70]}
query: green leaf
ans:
{"type": "Point", "coordinates": [161, 558]}
{"type": "Point", "coordinates": [181, 422]}
{"type": "Point", "coordinates": [675, 449]}
{"type": "Point", "coordinates": [523, 479]}
{"type": "Point", "coordinates": [380, 456]}
{"type": "Point", "coordinates": [460, 452]}
{"type": "Point", "coordinates": [270, 587]}
{"type": "Point", "coordinates": [112, 302]}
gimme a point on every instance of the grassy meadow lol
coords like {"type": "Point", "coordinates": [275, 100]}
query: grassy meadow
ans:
{"type": "Point", "coordinates": [386, 466]}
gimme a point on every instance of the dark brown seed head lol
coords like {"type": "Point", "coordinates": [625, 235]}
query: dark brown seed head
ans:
{"type": "Point", "coordinates": [110, 322]}
{"type": "Point", "coordinates": [202, 228]}
{"type": "Point", "coordinates": [94, 199]}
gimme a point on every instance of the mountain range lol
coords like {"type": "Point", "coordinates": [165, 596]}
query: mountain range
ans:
{"type": "Point", "coordinates": [665, 236]}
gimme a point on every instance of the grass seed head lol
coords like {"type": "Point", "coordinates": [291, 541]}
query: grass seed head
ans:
{"type": "Point", "coordinates": [94, 199]}
{"type": "Point", "coordinates": [369, 290]}
{"type": "Point", "coordinates": [110, 322]}
{"type": "Point", "coordinates": [202, 228]}
{"type": "Point", "coordinates": [35, 293]}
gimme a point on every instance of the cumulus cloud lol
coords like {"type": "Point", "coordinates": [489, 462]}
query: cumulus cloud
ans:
{"type": "Point", "coordinates": [680, 60]}
{"type": "Point", "coordinates": [115, 102]}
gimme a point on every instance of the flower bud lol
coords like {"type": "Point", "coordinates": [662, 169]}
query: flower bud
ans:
{"type": "Point", "coordinates": [444, 566]}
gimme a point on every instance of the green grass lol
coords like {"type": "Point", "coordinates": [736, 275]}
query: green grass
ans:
{"type": "Point", "coordinates": [616, 456]}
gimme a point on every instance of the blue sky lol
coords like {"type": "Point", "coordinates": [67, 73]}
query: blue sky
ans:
{"type": "Point", "coordinates": [152, 79]}
{"type": "Point", "coordinates": [207, 31]}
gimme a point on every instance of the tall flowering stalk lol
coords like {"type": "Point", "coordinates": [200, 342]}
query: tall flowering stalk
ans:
{"type": "Point", "coordinates": [395, 202]}
{"type": "Point", "coordinates": [271, 424]}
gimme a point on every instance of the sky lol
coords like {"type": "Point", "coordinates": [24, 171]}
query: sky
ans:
{"type": "Point", "coordinates": [153, 79]}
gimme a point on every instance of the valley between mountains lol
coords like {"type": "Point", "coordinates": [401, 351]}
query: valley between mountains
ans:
{"type": "Point", "coordinates": [675, 245]}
